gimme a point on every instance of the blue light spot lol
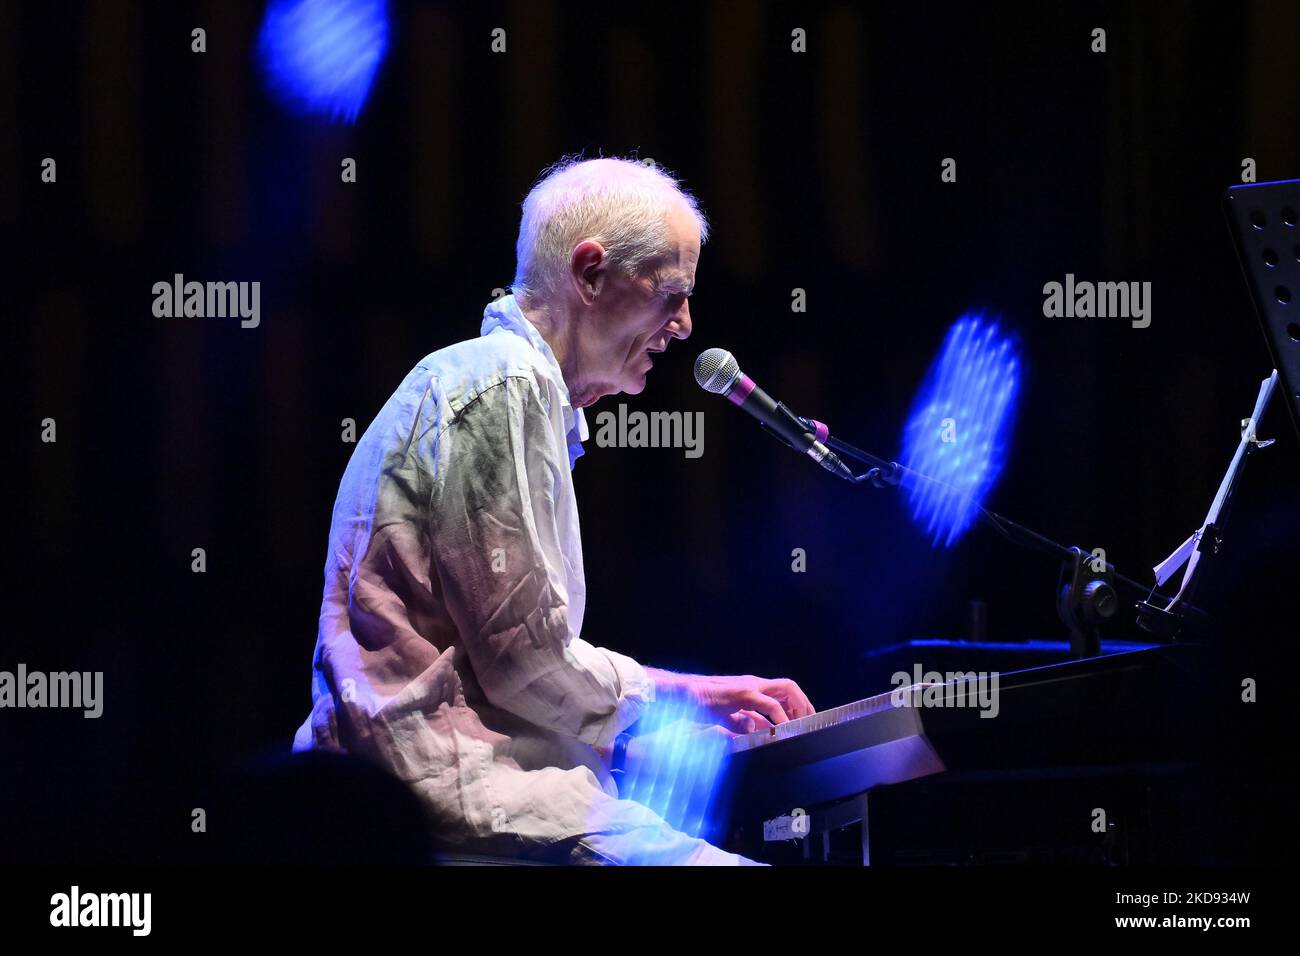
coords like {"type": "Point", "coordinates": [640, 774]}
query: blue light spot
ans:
{"type": "Point", "coordinates": [680, 769]}
{"type": "Point", "coordinates": [974, 382]}
{"type": "Point", "coordinates": [320, 56]}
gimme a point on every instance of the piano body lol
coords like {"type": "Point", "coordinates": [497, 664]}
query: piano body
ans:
{"type": "Point", "coordinates": [1088, 734]}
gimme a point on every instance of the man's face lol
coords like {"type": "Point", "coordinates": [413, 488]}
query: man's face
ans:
{"type": "Point", "coordinates": [634, 318]}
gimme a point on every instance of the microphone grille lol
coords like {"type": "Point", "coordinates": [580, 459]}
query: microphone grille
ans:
{"type": "Point", "coordinates": [716, 370]}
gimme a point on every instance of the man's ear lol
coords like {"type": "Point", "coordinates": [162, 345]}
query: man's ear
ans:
{"type": "Point", "coordinates": [587, 268]}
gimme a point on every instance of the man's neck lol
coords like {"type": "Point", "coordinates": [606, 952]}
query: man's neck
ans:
{"type": "Point", "coordinates": [559, 331]}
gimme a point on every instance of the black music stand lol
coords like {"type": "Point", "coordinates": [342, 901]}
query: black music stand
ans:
{"type": "Point", "coordinates": [1263, 219]}
{"type": "Point", "coordinates": [1204, 543]}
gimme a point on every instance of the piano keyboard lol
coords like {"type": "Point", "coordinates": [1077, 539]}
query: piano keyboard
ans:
{"type": "Point", "coordinates": [818, 721]}
{"type": "Point", "coordinates": [847, 750]}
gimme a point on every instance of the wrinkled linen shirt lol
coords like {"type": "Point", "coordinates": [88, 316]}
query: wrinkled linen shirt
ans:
{"type": "Point", "coordinates": [449, 648]}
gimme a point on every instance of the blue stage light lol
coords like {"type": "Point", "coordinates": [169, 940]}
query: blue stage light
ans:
{"type": "Point", "coordinates": [320, 56]}
{"type": "Point", "coordinates": [959, 426]}
{"type": "Point", "coordinates": [682, 768]}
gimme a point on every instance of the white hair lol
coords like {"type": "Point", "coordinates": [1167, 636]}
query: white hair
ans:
{"type": "Point", "coordinates": [621, 203]}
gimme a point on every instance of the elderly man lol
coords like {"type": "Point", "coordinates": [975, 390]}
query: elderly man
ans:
{"type": "Point", "coordinates": [449, 648]}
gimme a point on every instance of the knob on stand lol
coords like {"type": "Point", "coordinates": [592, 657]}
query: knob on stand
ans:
{"type": "Point", "coordinates": [1086, 600]}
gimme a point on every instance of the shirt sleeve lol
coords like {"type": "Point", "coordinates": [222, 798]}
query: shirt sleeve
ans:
{"type": "Point", "coordinates": [499, 558]}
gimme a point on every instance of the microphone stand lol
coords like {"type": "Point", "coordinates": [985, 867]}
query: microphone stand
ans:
{"type": "Point", "coordinates": [1086, 596]}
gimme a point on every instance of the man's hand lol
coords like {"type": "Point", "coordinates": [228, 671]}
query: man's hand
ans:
{"type": "Point", "coordinates": [742, 703]}
{"type": "Point", "coordinates": [746, 721]}
{"type": "Point", "coordinates": [750, 703]}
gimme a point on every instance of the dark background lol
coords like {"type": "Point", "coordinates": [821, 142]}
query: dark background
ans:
{"type": "Point", "coordinates": [818, 170]}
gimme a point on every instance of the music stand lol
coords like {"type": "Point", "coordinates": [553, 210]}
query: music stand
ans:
{"type": "Point", "coordinates": [1264, 219]}
{"type": "Point", "coordinates": [1205, 539]}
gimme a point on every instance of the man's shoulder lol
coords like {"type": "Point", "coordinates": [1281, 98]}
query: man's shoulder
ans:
{"type": "Point", "coordinates": [467, 369]}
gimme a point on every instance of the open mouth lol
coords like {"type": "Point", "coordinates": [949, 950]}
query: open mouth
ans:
{"type": "Point", "coordinates": [649, 354]}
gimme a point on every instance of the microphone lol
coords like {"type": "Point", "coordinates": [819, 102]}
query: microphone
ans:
{"type": "Point", "coordinates": [717, 371]}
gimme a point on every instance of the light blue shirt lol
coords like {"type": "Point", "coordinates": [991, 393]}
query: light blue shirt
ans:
{"type": "Point", "coordinates": [449, 648]}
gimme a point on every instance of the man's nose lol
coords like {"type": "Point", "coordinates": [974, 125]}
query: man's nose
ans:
{"type": "Point", "coordinates": [680, 326]}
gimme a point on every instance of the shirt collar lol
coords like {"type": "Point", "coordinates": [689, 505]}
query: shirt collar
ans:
{"type": "Point", "coordinates": [504, 313]}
